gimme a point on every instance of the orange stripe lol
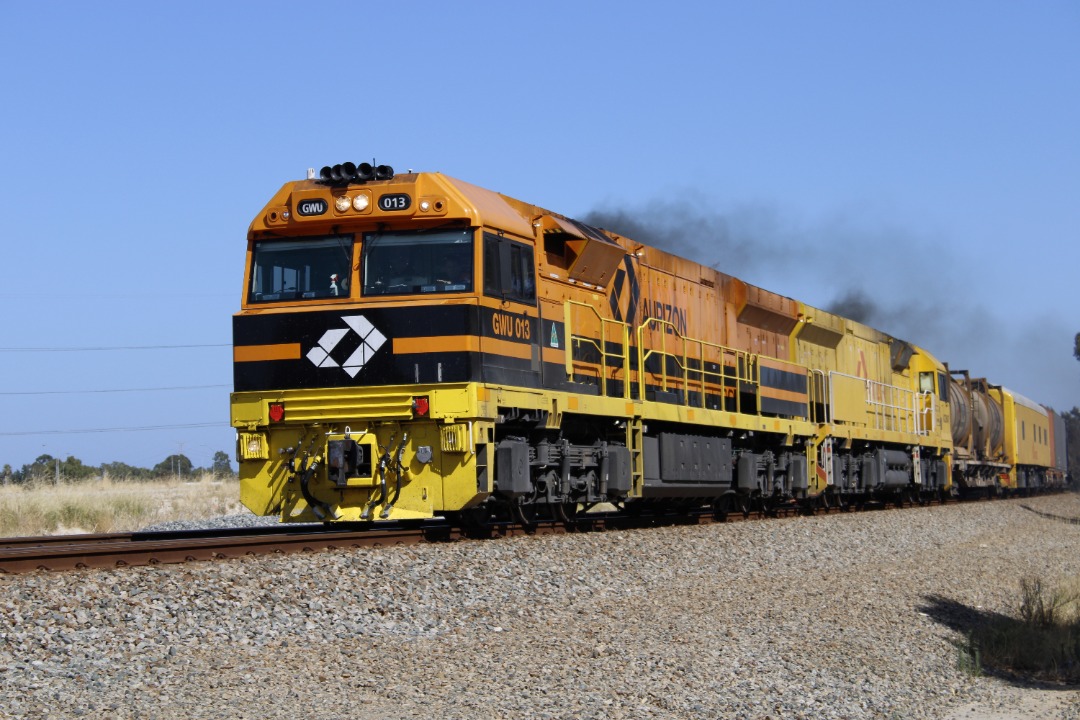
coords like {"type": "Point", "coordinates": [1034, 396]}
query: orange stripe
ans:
{"type": "Point", "coordinates": [778, 394]}
{"type": "Point", "coordinates": [522, 351]}
{"type": "Point", "coordinates": [440, 343]}
{"type": "Point", "coordinates": [257, 353]}
{"type": "Point", "coordinates": [554, 355]}
{"type": "Point", "coordinates": [462, 343]}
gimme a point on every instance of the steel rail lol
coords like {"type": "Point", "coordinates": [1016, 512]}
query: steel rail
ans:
{"type": "Point", "coordinates": [71, 552]}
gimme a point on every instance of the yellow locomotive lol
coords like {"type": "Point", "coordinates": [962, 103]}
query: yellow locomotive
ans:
{"type": "Point", "coordinates": [412, 345]}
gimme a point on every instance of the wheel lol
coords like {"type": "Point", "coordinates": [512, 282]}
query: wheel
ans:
{"type": "Point", "coordinates": [743, 504]}
{"type": "Point", "coordinates": [568, 512]}
{"type": "Point", "coordinates": [474, 522]}
{"type": "Point", "coordinates": [531, 514]}
{"type": "Point", "coordinates": [721, 508]}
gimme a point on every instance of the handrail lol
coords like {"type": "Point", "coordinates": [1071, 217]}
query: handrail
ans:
{"type": "Point", "coordinates": [601, 346]}
{"type": "Point", "coordinates": [740, 361]}
{"type": "Point", "coordinates": [818, 394]}
{"type": "Point", "coordinates": [928, 426]}
{"type": "Point", "coordinates": [890, 407]}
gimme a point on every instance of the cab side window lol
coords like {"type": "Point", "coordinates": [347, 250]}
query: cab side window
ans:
{"type": "Point", "coordinates": [926, 382]}
{"type": "Point", "coordinates": [509, 270]}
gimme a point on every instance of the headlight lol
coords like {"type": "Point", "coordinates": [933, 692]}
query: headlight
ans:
{"type": "Point", "coordinates": [342, 203]}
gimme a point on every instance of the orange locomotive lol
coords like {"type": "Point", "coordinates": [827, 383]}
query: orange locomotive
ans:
{"type": "Point", "coordinates": [412, 346]}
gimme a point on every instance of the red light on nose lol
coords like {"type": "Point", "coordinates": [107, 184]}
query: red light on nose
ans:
{"type": "Point", "coordinates": [277, 411]}
{"type": "Point", "coordinates": [420, 406]}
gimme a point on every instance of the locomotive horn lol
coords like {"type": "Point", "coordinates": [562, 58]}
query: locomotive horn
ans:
{"type": "Point", "coordinates": [365, 172]}
{"type": "Point", "coordinates": [326, 173]}
{"type": "Point", "coordinates": [384, 172]}
{"type": "Point", "coordinates": [348, 171]}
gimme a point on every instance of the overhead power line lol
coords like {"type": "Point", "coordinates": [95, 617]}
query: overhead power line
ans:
{"type": "Point", "coordinates": [114, 390]}
{"type": "Point", "coordinates": [221, 424]}
{"type": "Point", "coordinates": [114, 347]}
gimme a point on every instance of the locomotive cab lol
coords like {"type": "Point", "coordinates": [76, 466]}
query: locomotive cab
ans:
{"type": "Point", "coordinates": [374, 310]}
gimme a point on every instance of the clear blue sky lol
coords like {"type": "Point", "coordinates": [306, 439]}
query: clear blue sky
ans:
{"type": "Point", "coordinates": [923, 154]}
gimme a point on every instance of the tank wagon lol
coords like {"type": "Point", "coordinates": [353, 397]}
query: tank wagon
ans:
{"type": "Point", "coordinates": [1003, 442]}
{"type": "Point", "coordinates": [412, 345]}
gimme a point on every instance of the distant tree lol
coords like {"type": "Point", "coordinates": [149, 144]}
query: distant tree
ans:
{"type": "Point", "coordinates": [222, 464]}
{"type": "Point", "coordinates": [73, 469]}
{"type": "Point", "coordinates": [7, 472]}
{"type": "Point", "coordinates": [122, 471]}
{"type": "Point", "coordinates": [47, 468]}
{"type": "Point", "coordinates": [173, 465]}
{"type": "Point", "coordinates": [43, 468]}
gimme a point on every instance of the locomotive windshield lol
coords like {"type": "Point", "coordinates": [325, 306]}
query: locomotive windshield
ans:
{"type": "Point", "coordinates": [297, 269]}
{"type": "Point", "coordinates": [406, 263]}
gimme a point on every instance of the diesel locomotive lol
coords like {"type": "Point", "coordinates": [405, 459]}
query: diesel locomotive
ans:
{"type": "Point", "coordinates": [412, 345]}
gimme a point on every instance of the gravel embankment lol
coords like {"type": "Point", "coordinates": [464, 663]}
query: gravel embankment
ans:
{"type": "Point", "coordinates": [845, 616]}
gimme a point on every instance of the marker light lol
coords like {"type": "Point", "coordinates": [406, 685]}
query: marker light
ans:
{"type": "Point", "coordinates": [420, 406]}
{"type": "Point", "coordinates": [277, 411]}
{"type": "Point", "coordinates": [425, 205]}
{"type": "Point", "coordinates": [361, 202]}
{"type": "Point", "coordinates": [342, 203]}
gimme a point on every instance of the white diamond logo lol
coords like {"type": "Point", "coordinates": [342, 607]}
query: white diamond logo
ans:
{"type": "Point", "coordinates": [360, 324]}
{"type": "Point", "coordinates": [317, 355]}
{"type": "Point", "coordinates": [331, 338]}
{"type": "Point", "coordinates": [370, 341]}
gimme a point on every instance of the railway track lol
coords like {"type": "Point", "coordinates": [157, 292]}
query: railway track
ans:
{"type": "Point", "coordinates": [85, 551]}
{"type": "Point", "coordinates": [74, 552]}
{"type": "Point", "coordinates": [71, 552]}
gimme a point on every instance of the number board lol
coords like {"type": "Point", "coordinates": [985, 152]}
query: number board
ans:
{"type": "Point", "coordinates": [395, 201]}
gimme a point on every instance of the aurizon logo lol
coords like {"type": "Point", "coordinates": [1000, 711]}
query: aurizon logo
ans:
{"type": "Point", "coordinates": [370, 342]}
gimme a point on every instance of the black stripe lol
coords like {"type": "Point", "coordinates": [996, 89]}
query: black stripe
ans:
{"type": "Point", "coordinates": [783, 407]}
{"type": "Point", "coordinates": [308, 327]}
{"type": "Point", "coordinates": [503, 372]}
{"type": "Point", "coordinates": [510, 326]}
{"type": "Point", "coordinates": [377, 364]}
{"type": "Point", "coordinates": [616, 292]}
{"type": "Point", "coordinates": [783, 380]}
{"type": "Point", "coordinates": [635, 293]}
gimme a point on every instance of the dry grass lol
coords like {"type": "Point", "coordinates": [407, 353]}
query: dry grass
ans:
{"type": "Point", "coordinates": [112, 505]}
{"type": "Point", "coordinates": [1043, 643]}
